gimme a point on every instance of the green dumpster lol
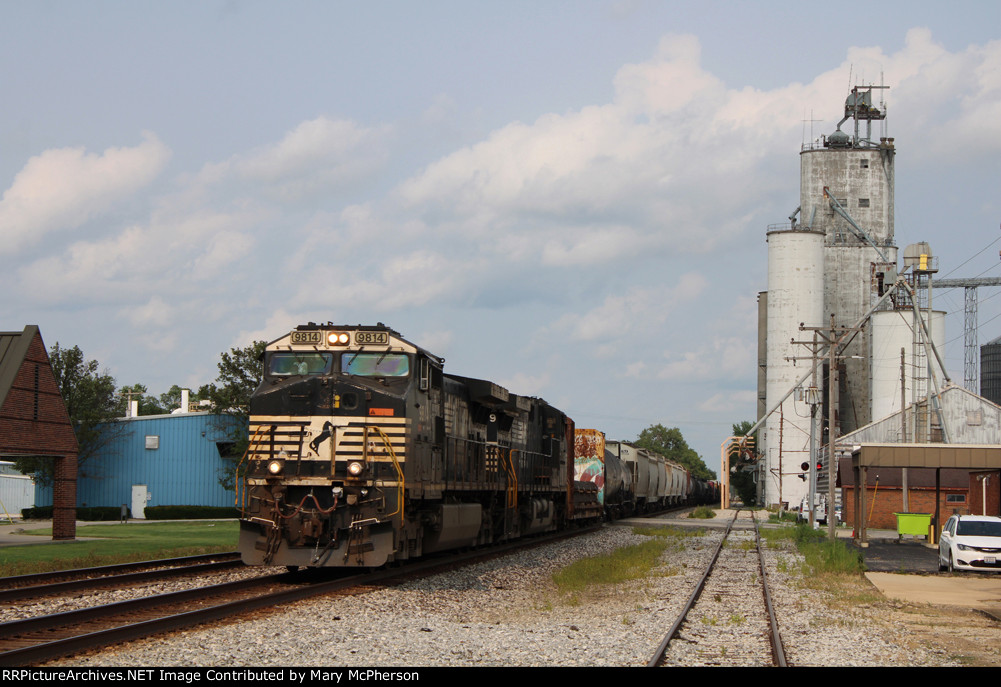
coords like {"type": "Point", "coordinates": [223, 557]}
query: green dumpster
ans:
{"type": "Point", "coordinates": [917, 524]}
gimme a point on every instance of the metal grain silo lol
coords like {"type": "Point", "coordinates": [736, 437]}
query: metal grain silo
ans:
{"type": "Point", "coordinates": [990, 371]}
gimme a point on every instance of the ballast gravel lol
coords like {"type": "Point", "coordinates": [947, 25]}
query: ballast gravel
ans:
{"type": "Point", "coordinates": [508, 612]}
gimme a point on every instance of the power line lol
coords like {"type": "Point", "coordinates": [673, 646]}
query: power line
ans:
{"type": "Point", "coordinates": [973, 256]}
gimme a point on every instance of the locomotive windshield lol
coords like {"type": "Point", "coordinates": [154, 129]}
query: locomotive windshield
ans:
{"type": "Point", "coordinates": [376, 364]}
{"type": "Point", "coordinates": [282, 364]}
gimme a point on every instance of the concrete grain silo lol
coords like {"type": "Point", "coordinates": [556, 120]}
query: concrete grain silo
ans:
{"type": "Point", "coordinates": [795, 296]}
{"type": "Point", "coordinates": [891, 331]}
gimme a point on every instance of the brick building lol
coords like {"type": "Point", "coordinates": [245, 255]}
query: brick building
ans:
{"type": "Point", "coordinates": [34, 420]}
{"type": "Point", "coordinates": [959, 492]}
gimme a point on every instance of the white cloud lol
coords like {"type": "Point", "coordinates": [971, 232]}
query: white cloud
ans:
{"type": "Point", "coordinates": [442, 106]}
{"type": "Point", "coordinates": [525, 384]}
{"type": "Point", "coordinates": [390, 282]}
{"type": "Point", "coordinates": [63, 188]}
{"type": "Point", "coordinates": [436, 341]}
{"type": "Point", "coordinates": [590, 246]}
{"type": "Point", "coordinates": [319, 156]}
{"type": "Point", "coordinates": [671, 160]}
{"type": "Point", "coordinates": [947, 105]}
{"type": "Point", "coordinates": [155, 312]}
{"type": "Point", "coordinates": [155, 323]}
{"type": "Point", "coordinates": [621, 316]}
{"type": "Point", "coordinates": [725, 357]}
{"type": "Point", "coordinates": [274, 326]}
{"type": "Point", "coordinates": [169, 257]}
{"type": "Point", "coordinates": [671, 82]}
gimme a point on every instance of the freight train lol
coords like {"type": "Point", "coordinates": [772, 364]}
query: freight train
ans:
{"type": "Point", "coordinates": [363, 451]}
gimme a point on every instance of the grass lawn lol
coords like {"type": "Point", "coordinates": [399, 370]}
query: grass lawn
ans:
{"type": "Point", "coordinates": [119, 544]}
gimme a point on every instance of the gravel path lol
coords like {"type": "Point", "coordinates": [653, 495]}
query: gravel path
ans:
{"type": "Point", "coordinates": [507, 612]}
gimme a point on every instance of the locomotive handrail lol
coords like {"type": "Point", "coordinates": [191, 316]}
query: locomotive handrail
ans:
{"type": "Point", "coordinates": [401, 484]}
{"type": "Point", "coordinates": [252, 444]}
{"type": "Point", "coordinates": [512, 484]}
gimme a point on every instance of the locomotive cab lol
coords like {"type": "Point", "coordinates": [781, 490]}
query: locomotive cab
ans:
{"type": "Point", "coordinates": [332, 426]}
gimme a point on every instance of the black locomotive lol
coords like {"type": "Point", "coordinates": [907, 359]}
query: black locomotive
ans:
{"type": "Point", "coordinates": [363, 451]}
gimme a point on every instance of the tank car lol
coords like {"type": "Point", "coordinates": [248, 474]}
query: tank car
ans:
{"type": "Point", "coordinates": [595, 464]}
{"type": "Point", "coordinates": [364, 451]}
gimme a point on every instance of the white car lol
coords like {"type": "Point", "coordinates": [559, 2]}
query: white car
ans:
{"type": "Point", "coordinates": [970, 542]}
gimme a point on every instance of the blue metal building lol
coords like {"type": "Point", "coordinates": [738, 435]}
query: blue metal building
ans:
{"type": "Point", "coordinates": [156, 460]}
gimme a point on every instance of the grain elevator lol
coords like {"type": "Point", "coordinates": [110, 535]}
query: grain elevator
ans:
{"type": "Point", "coordinates": [834, 257]}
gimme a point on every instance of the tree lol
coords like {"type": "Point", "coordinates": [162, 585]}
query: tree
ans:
{"type": "Point", "coordinates": [742, 481]}
{"type": "Point", "coordinates": [171, 399]}
{"type": "Point", "coordinates": [148, 405]}
{"type": "Point", "coordinates": [671, 444]}
{"type": "Point", "coordinates": [89, 395]}
{"type": "Point", "coordinates": [240, 373]}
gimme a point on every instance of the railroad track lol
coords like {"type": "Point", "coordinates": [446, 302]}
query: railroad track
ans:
{"type": "Point", "coordinates": [23, 587]}
{"type": "Point", "coordinates": [729, 619]}
{"type": "Point", "coordinates": [42, 638]}
{"type": "Point", "coordinates": [52, 636]}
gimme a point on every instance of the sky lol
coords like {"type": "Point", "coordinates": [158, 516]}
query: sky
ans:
{"type": "Point", "coordinates": [567, 198]}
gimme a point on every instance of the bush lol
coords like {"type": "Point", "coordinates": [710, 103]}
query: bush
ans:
{"type": "Point", "coordinates": [114, 513]}
{"type": "Point", "coordinates": [190, 512]}
{"type": "Point", "coordinates": [783, 516]}
{"type": "Point", "coordinates": [87, 514]}
{"type": "Point", "coordinates": [704, 512]}
{"type": "Point", "coordinates": [623, 564]}
{"type": "Point", "coordinates": [822, 556]}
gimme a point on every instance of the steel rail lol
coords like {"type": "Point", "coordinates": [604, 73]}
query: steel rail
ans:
{"type": "Point", "coordinates": [696, 593]}
{"type": "Point", "coordinates": [778, 651]}
{"type": "Point", "coordinates": [35, 591]}
{"type": "Point", "coordinates": [38, 578]}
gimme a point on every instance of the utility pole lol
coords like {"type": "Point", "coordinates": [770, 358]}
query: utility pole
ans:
{"type": "Point", "coordinates": [836, 338]}
{"type": "Point", "coordinates": [811, 395]}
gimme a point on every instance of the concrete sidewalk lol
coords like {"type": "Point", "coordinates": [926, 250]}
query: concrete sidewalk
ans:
{"type": "Point", "coordinates": [17, 534]}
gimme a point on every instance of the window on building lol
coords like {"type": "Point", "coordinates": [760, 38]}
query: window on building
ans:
{"type": "Point", "coordinates": [152, 441]}
{"type": "Point", "coordinates": [863, 202]}
{"type": "Point", "coordinates": [864, 164]}
{"type": "Point", "coordinates": [955, 498]}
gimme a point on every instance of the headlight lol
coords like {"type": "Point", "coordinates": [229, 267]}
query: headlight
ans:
{"type": "Point", "coordinates": [964, 547]}
{"type": "Point", "coordinates": [355, 468]}
{"type": "Point", "coordinates": [337, 338]}
{"type": "Point", "coordinates": [275, 467]}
